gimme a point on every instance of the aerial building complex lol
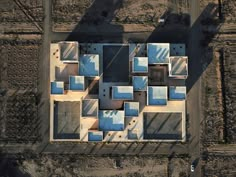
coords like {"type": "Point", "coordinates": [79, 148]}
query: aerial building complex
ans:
{"type": "Point", "coordinates": [117, 92]}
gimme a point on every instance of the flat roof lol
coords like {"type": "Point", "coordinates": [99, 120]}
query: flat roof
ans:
{"type": "Point", "coordinates": [160, 125]}
{"type": "Point", "coordinates": [177, 50]}
{"type": "Point", "coordinates": [76, 82]}
{"type": "Point", "coordinates": [90, 108]}
{"type": "Point", "coordinates": [57, 87]}
{"type": "Point", "coordinates": [157, 95]}
{"type": "Point", "coordinates": [114, 58]}
{"type": "Point", "coordinates": [69, 51]}
{"type": "Point", "coordinates": [64, 70]}
{"type": "Point", "coordinates": [178, 66]}
{"type": "Point", "coordinates": [66, 120]}
{"type": "Point", "coordinates": [131, 109]}
{"type": "Point", "coordinates": [89, 65]}
{"type": "Point", "coordinates": [95, 135]}
{"type": "Point", "coordinates": [140, 83]}
{"type": "Point", "coordinates": [140, 65]}
{"type": "Point", "coordinates": [177, 92]}
{"type": "Point", "coordinates": [158, 53]}
{"type": "Point", "coordinates": [111, 120]}
{"type": "Point", "coordinates": [122, 92]}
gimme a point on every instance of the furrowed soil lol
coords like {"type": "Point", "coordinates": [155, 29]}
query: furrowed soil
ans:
{"type": "Point", "coordinates": [18, 91]}
{"type": "Point", "coordinates": [73, 165]}
{"type": "Point", "coordinates": [21, 16]}
{"type": "Point", "coordinates": [123, 15]}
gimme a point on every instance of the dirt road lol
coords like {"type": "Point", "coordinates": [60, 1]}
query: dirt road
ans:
{"type": "Point", "coordinates": [44, 75]}
{"type": "Point", "coordinates": [194, 84]}
{"type": "Point", "coordinates": [194, 10]}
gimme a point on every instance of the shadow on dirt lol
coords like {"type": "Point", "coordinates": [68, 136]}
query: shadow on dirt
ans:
{"type": "Point", "coordinates": [9, 167]}
{"type": "Point", "coordinates": [199, 37]}
{"type": "Point", "coordinates": [97, 22]}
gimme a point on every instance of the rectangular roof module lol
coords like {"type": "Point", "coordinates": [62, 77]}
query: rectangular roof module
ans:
{"type": "Point", "coordinates": [177, 50]}
{"type": "Point", "coordinates": [122, 92]}
{"type": "Point", "coordinates": [157, 95]}
{"type": "Point", "coordinates": [158, 53]}
{"type": "Point", "coordinates": [90, 107]}
{"type": "Point", "coordinates": [89, 65]}
{"type": "Point", "coordinates": [131, 109]}
{"type": "Point", "coordinates": [140, 83]}
{"type": "Point", "coordinates": [95, 135]}
{"type": "Point", "coordinates": [177, 92]}
{"type": "Point", "coordinates": [76, 83]}
{"type": "Point", "coordinates": [140, 65]}
{"type": "Point", "coordinates": [111, 120]}
{"type": "Point", "coordinates": [178, 67]}
{"type": "Point", "coordinates": [69, 51]}
{"type": "Point", "coordinates": [66, 120]}
{"type": "Point", "coordinates": [57, 87]}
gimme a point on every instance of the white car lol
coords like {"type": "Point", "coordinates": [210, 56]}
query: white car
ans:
{"type": "Point", "coordinates": [161, 20]}
{"type": "Point", "coordinates": [192, 168]}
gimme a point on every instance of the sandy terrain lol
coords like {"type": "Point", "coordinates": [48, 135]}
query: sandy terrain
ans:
{"type": "Point", "coordinates": [131, 15]}
{"type": "Point", "coordinates": [21, 16]}
{"type": "Point", "coordinates": [219, 165]}
{"type": "Point", "coordinates": [18, 90]}
{"type": "Point", "coordinates": [218, 78]}
{"type": "Point", "coordinates": [73, 165]}
{"type": "Point", "coordinates": [214, 123]}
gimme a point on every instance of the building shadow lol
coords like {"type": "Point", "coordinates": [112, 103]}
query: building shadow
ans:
{"type": "Point", "coordinates": [176, 28]}
{"type": "Point", "coordinates": [9, 167]}
{"type": "Point", "coordinates": [97, 24]}
{"type": "Point", "coordinates": [199, 39]}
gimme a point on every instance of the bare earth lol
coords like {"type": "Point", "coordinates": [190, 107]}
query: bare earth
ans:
{"type": "Point", "coordinates": [72, 165]}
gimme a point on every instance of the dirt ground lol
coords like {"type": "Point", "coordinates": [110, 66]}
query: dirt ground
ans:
{"type": "Point", "coordinates": [218, 78]}
{"type": "Point", "coordinates": [131, 15]}
{"type": "Point", "coordinates": [230, 90]}
{"type": "Point", "coordinates": [229, 68]}
{"type": "Point", "coordinates": [219, 165]}
{"type": "Point", "coordinates": [18, 90]}
{"type": "Point", "coordinates": [179, 167]}
{"type": "Point", "coordinates": [72, 165]}
{"type": "Point", "coordinates": [21, 16]}
{"type": "Point", "coordinates": [219, 96]}
{"type": "Point", "coordinates": [213, 105]}
{"type": "Point", "coordinates": [92, 11]}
